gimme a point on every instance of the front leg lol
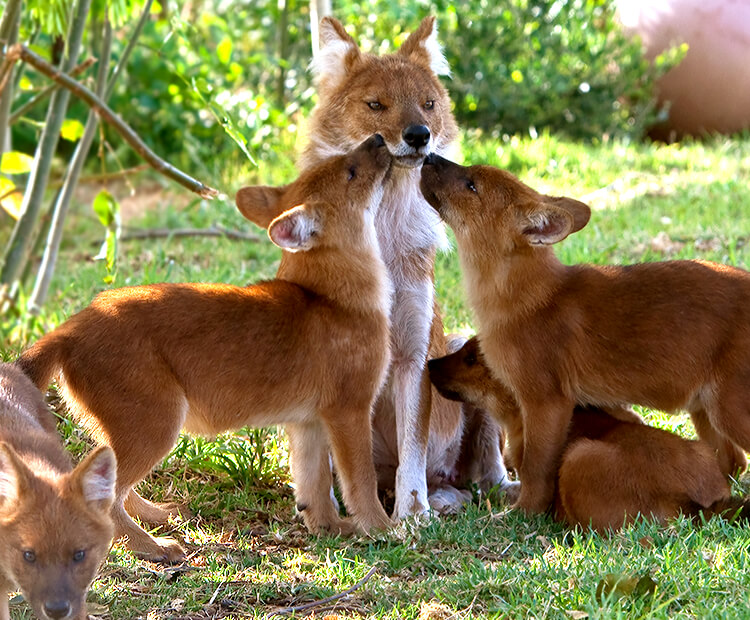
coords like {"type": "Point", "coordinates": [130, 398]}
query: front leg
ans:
{"type": "Point", "coordinates": [545, 432]}
{"type": "Point", "coordinates": [409, 387]}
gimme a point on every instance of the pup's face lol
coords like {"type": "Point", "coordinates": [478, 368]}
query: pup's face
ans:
{"type": "Point", "coordinates": [490, 207]}
{"type": "Point", "coordinates": [464, 376]}
{"type": "Point", "coordinates": [330, 205]}
{"type": "Point", "coordinates": [396, 95]}
{"type": "Point", "coordinates": [55, 531]}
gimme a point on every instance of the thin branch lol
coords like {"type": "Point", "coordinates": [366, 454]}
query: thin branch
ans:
{"type": "Point", "coordinates": [214, 231]}
{"type": "Point", "coordinates": [108, 115]}
{"type": "Point", "coordinates": [46, 92]}
{"type": "Point", "coordinates": [291, 610]}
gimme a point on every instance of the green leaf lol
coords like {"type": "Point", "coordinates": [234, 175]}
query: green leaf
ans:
{"type": "Point", "coordinates": [106, 208]}
{"type": "Point", "coordinates": [620, 585]}
{"type": "Point", "coordinates": [71, 130]}
{"type": "Point", "coordinates": [224, 50]}
{"type": "Point", "coordinates": [15, 162]}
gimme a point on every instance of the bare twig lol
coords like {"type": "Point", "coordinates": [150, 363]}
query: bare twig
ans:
{"type": "Point", "coordinates": [214, 231]}
{"type": "Point", "coordinates": [284, 611]}
{"type": "Point", "coordinates": [108, 115]}
{"type": "Point", "coordinates": [46, 92]}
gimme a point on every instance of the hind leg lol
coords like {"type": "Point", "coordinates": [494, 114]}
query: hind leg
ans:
{"type": "Point", "coordinates": [311, 471]}
{"type": "Point", "coordinates": [141, 431]}
{"type": "Point", "coordinates": [154, 513]}
{"type": "Point", "coordinates": [731, 457]}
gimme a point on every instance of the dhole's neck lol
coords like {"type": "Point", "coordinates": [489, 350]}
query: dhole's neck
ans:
{"type": "Point", "coordinates": [356, 281]}
{"type": "Point", "coordinates": [504, 287]}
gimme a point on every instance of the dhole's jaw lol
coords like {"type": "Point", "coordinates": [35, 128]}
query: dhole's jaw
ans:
{"type": "Point", "coordinates": [463, 375]}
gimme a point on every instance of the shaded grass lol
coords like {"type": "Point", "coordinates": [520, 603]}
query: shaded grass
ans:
{"type": "Point", "coordinates": [248, 555]}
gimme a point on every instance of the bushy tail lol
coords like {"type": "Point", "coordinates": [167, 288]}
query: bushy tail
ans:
{"type": "Point", "coordinates": [731, 508]}
{"type": "Point", "coordinates": [42, 361]}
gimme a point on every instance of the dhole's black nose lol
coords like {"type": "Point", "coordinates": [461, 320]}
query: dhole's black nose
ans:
{"type": "Point", "coordinates": [430, 160]}
{"type": "Point", "coordinates": [416, 136]}
{"type": "Point", "coordinates": [378, 140]}
{"type": "Point", "coordinates": [57, 609]}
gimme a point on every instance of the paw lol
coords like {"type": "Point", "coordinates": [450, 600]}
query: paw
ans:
{"type": "Point", "coordinates": [329, 526]}
{"type": "Point", "coordinates": [413, 504]}
{"type": "Point", "coordinates": [163, 550]}
{"type": "Point", "coordinates": [512, 491]}
{"type": "Point", "coordinates": [449, 500]}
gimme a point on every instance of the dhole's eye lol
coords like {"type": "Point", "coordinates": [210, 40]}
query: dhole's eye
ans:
{"type": "Point", "coordinates": [470, 186]}
{"type": "Point", "coordinates": [429, 104]}
{"type": "Point", "coordinates": [470, 359]}
{"type": "Point", "coordinates": [79, 555]}
{"type": "Point", "coordinates": [352, 172]}
{"type": "Point", "coordinates": [375, 105]}
{"type": "Point", "coordinates": [29, 556]}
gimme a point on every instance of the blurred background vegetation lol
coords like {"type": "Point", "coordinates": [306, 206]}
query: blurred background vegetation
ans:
{"type": "Point", "coordinates": [518, 66]}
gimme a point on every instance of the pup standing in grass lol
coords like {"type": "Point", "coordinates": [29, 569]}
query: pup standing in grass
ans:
{"type": "Point", "coordinates": [308, 350]}
{"type": "Point", "coordinates": [671, 335]}
{"type": "Point", "coordinates": [55, 523]}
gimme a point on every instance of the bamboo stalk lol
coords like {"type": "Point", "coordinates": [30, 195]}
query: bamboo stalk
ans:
{"type": "Point", "coordinates": [23, 233]}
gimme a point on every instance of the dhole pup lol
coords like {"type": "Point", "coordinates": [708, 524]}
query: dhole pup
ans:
{"type": "Point", "coordinates": [612, 468]}
{"type": "Point", "coordinates": [398, 95]}
{"type": "Point", "coordinates": [55, 523]}
{"type": "Point", "coordinates": [308, 350]}
{"type": "Point", "coordinates": [670, 335]}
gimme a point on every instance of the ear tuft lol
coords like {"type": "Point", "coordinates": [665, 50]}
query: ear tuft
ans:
{"type": "Point", "coordinates": [422, 47]}
{"type": "Point", "coordinates": [337, 55]}
{"type": "Point", "coordinates": [295, 230]}
{"type": "Point", "coordinates": [260, 203]}
{"type": "Point", "coordinates": [9, 482]}
{"type": "Point", "coordinates": [98, 475]}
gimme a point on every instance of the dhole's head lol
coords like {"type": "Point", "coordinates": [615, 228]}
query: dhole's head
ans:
{"type": "Point", "coordinates": [491, 210]}
{"type": "Point", "coordinates": [397, 95]}
{"type": "Point", "coordinates": [55, 529]}
{"type": "Point", "coordinates": [463, 376]}
{"type": "Point", "coordinates": [332, 204]}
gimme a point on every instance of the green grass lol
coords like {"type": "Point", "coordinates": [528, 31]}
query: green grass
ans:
{"type": "Point", "coordinates": [248, 555]}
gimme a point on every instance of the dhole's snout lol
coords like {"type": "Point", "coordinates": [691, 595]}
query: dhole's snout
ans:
{"type": "Point", "coordinates": [433, 178]}
{"type": "Point", "coordinates": [416, 136]}
{"type": "Point", "coordinates": [375, 153]}
{"type": "Point", "coordinates": [441, 377]}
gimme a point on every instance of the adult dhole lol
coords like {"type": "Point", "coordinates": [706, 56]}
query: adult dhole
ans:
{"type": "Point", "coordinates": [55, 522]}
{"type": "Point", "coordinates": [670, 335]}
{"type": "Point", "coordinates": [308, 350]}
{"type": "Point", "coordinates": [417, 434]}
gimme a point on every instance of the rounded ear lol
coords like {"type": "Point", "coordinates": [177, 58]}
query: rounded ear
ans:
{"type": "Point", "coordinates": [11, 476]}
{"type": "Point", "coordinates": [338, 53]}
{"type": "Point", "coordinates": [423, 48]}
{"type": "Point", "coordinates": [295, 230]}
{"type": "Point", "coordinates": [554, 219]}
{"type": "Point", "coordinates": [96, 477]}
{"type": "Point", "coordinates": [579, 211]}
{"type": "Point", "coordinates": [260, 203]}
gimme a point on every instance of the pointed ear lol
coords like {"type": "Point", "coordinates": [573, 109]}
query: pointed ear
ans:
{"type": "Point", "coordinates": [95, 477]}
{"type": "Point", "coordinates": [337, 55]}
{"type": "Point", "coordinates": [12, 472]}
{"type": "Point", "coordinates": [579, 211]}
{"type": "Point", "coordinates": [260, 203]}
{"type": "Point", "coordinates": [423, 48]}
{"type": "Point", "coordinates": [295, 230]}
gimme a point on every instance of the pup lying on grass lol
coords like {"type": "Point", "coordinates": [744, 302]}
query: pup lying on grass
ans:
{"type": "Point", "coordinates": [611, 469]}
{"type": "Point", "coordinates": [55, 523]}
{"type": "Point", "coordinates": [308, 350]}
{"type": "Point", "coordinates": [671, 335]}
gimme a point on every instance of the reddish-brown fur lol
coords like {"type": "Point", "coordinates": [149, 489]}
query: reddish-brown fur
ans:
{"type": "Point", "coordinates": [612, 469]}
{"type": "Point", "coordinates": [55, 524]}
{"type": "Point", "coordinates": [671, 335]}
{"type": "Point", "coordinates": [308, 350]}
